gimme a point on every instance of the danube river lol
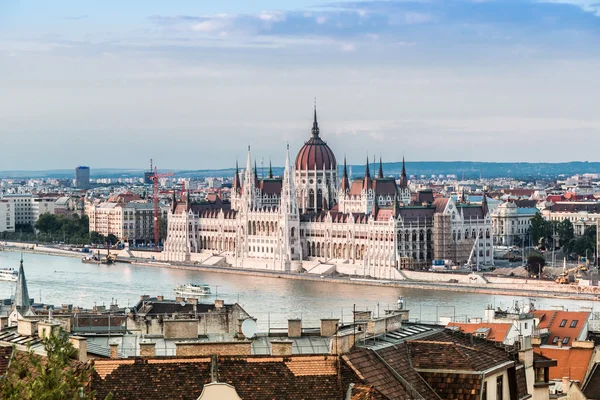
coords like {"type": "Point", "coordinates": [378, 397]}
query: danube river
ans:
{"type": "Point", "coordinates": [58, 280]}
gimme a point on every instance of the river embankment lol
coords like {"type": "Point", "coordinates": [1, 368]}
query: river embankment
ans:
{"type": "Point", "coordinates": [451, 282]}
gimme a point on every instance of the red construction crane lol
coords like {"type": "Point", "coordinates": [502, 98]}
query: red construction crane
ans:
{"type": "Point", "coordinates": [155, 178]}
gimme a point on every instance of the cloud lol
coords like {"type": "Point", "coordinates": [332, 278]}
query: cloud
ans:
{"type": "Point", "coordinates": [210, 26]}
{"type": "Point", "coordinates": [321, 19]}
{"type": "Point", "coordinates": [591, 6]}
{"type": "Point", "coordinates": [272, 16]}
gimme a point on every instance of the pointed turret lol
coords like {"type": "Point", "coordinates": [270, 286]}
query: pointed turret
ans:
{"type": "Point", "coordinates": [380, 173]}
{"type": "Point", "coordinates": [367, 183]}
{"type": "Point", "coordinates": [249, 181]}
{"type": "Point", "coordinates": [484, 204]}
{"type": "Point", "coordinates": [21, 294]}
{"type": "Point", "coordinates": [256, 180]}
{"type": "Point", "coordinates": [173, 202]}
{"type": "Point", "coordinates": [188, 201]}
{"type": "Point", "coordinates": [270, 170]}
{"type": "Point", "coordinates": [315, 128]}
{"type": "Point", "coordinates": [345, 181]}
{"type": "Point", "coordinates": [403, 179]}
{"type": "Point", "coordinates": [237, 187]}
{"type": "Point", "coordinates": [288, 192]}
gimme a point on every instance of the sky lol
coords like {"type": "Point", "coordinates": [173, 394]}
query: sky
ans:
{"type": "Point", "coordinates": [191, 84]}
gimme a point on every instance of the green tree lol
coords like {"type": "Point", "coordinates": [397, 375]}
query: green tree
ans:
{"type": "Point", "coordinates": [541, 230]}
{"type": "Point", "coordinates": [54, 377]}
{"type": "Point", "coordinates": [162, 224]}
{"type": "Point", "coordinates": [97, 238]}
{"type": "Point", "coordinates": [537, 227]}
{"type": "Point", "coordinates": [111, 239]}
{"type": "Point", "coordinates": [565, 231]}
{"type": "Point", "coordinates": [535, 263]}
{"type": "Point", "coordinates": [47, 223]}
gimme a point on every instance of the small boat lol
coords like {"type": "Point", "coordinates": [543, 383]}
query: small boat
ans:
{"type": "Point", "coordinates": [8, 274]}
{"type": "Point", "coordinates": [193, 290]}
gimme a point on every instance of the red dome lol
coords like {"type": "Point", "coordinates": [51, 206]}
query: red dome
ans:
{"type": "Point", "coordinates": [315, 154]}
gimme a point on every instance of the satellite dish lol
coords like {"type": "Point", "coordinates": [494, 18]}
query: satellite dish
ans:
{"type": "Point", "coordinates": [249, 328]}
{"type": "Point", "coordinates": [182, 303]}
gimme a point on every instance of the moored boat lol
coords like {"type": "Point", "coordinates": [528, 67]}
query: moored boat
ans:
{"type": "Point", "coordinates": [8, 274]}
{"type": "Point", "coordinates": [193, 290]}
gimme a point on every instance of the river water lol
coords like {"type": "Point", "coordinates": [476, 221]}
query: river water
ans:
{"type": "Point", "coordinates": [59, 280]}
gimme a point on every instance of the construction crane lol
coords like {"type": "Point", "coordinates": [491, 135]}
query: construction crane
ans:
{"type": "Point", "coordinates": [155, 178]}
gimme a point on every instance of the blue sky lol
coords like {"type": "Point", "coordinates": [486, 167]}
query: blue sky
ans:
{"type": "Point", "coordinates": [192, 83]}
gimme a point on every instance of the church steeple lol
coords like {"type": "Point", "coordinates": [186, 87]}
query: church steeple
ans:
{"type": "Point", "coordinates": [380, 174]}
{"type": "Point", "coordinates": [315, 128]}
{"type": "Point", "coordinates": [21, 294]}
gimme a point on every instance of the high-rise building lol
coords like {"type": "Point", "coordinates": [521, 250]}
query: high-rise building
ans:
{"type": "Point", "coordinates": [82, 177]}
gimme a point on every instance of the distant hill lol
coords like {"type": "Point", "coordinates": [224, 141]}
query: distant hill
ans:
{"type": "Point", "coordinates": [468, 169]}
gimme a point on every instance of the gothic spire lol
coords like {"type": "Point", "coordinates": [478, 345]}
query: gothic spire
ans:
{"type": "Point", "coordinates": [367, 181]}
{"type": "Point", "coordinates": [21, 294]}
{"type": "Point", "coordinates": [380, 174]}
{"type": "Point", "coordinates": [288, 196]}
{"type": "Point", "coordinates": [270, 170]}
{"type": "Point", "coordinates": [403, 179]}
{"type": "Point", "coordinates": [173, 202]}
{"type": "Point", "coordinates": [256, 180]}
{"type": "Point", "coordinates": [315, 128]}
{"type": "Point", "coordinates": [345, 182]}
{"type": "Point", "coordinates": [484, 204]}
{"type": "Point", "coordinates": [236, 179]}
{"type": "Point", "coordinates": [249, 181]}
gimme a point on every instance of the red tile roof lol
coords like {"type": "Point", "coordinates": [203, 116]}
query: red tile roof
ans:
{"type": "Point", "coordinates": [253, 377]}
{"type": "Point", "coordinates": [572, 362]}
{"type": "Point", "coordinates": [572, 324]}
{"type": "Point", "coordinates": [497, 333]}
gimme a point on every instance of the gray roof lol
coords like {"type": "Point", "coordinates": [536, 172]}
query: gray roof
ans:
{"type": "Point", "coordinates": [22, 294]}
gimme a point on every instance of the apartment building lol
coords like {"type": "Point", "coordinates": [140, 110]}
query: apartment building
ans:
{"type": "Point", "coordinates": [7, 216]}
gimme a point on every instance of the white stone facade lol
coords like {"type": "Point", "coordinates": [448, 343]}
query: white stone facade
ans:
{"type": "Point", "coordinates": [309, 217]}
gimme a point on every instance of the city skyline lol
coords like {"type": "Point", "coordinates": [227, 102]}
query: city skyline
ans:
{"type": "Point", "coordinates": [191, 85]}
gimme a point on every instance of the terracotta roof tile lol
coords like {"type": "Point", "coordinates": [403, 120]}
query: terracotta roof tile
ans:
{"type": "Point", "coordinates": [497, 331]}
{"type": "Point", "coordinates": [572, 362]}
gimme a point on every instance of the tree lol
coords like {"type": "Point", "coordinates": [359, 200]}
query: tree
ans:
{"type": "Point", "coordinates": [97, 238]}
{"type": "Point", "coordinates": [47, 223]}
{"type": "Point", "coordinates": [537, 227]}
{"type": "Point", "coordinates": [54, 377]}
{"type": "Point", "coordinates": [565, 231]}
{"type": "Point", "coordinates": [535, 263]}
{"type": "Point", "coordinates": [541, 230]}
{"type": "Point", "coordinates": [111, 239]}
{"type": "Point", "coordinates": [162, 224]}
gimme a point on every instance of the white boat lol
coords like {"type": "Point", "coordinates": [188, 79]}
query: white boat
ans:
{"type": "Point", "coordinates": [193, 290]}
{"type": "Point", "coordinates": [8, 274]}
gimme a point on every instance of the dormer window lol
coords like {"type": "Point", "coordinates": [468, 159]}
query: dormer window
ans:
{"type": "Point", "coordinates": [563, 323]}
{"type": "Point", "coordinates": [574, 323]}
